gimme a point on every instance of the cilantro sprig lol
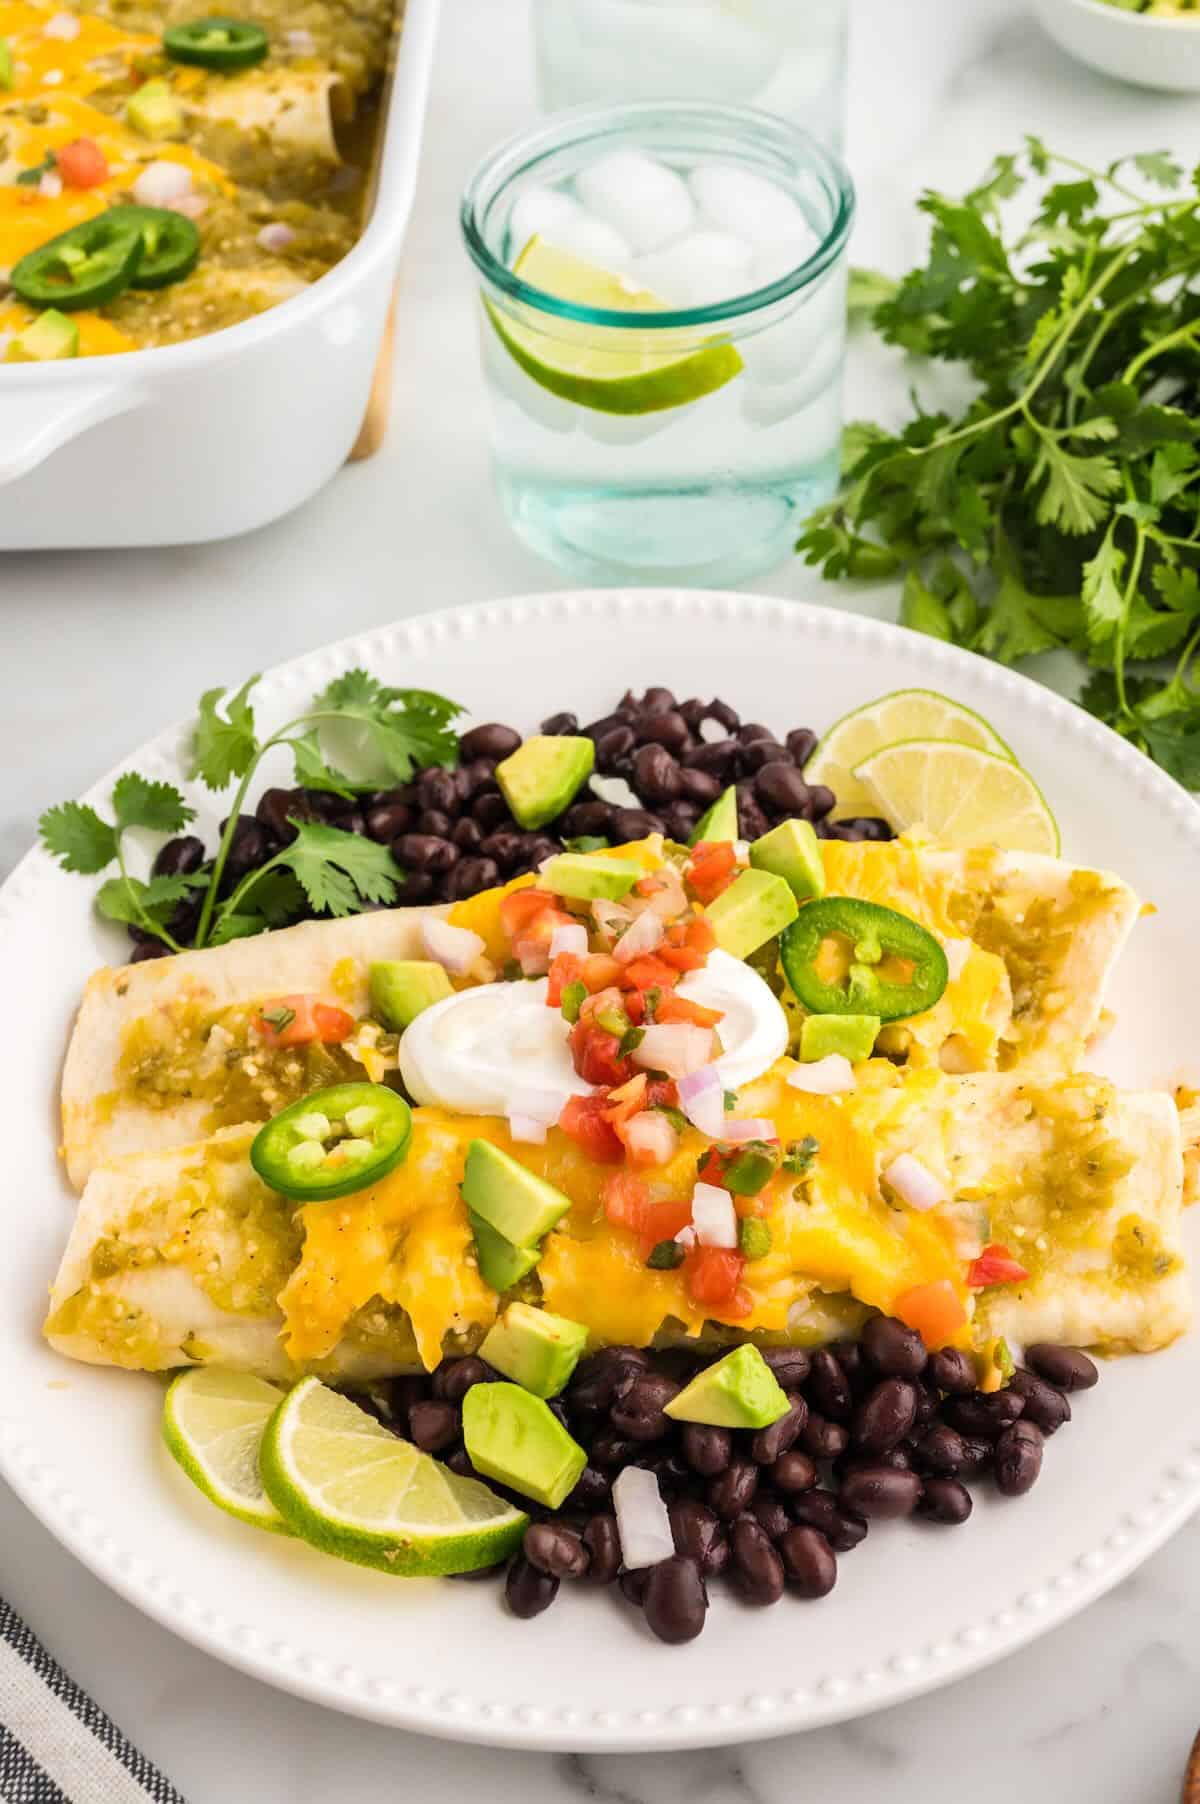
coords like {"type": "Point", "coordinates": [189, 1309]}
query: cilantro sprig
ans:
{"type": "Point", "coordinates": [1060, 506]}
{"type": "Point", "coordinates": [332, 871]}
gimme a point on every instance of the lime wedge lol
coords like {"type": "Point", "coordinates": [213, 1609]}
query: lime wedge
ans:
{"type": "Point", "coordinates": [905, 714]}
{"type": "Point", "coordinates": [960, 794]}
{"type": "Point", "coordinates": [349, 1487]}
{"type": "Point", "coordinates": [212, 1423]}
{"type": "Point", "coordinates": [611, 370]}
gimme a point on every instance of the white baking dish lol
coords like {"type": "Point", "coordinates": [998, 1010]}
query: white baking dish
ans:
{"type": "Point", "coordinates": [210, 438]}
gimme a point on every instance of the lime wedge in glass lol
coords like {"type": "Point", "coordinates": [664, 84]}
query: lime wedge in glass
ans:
{"type": "Point", "coordinates": [905, 714]}
{"type": "Point", "coordinates": [349, 1487]}
{"type": "Point", "coordinates": [213, 1423]}
{"type": "Point", "coordinates": [964, 796]}
{"type": "Point", "coordinates": [624, 369]}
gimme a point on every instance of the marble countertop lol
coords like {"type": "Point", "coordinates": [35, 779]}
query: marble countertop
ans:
{"type": "Point", "coordinates": [100, 649]}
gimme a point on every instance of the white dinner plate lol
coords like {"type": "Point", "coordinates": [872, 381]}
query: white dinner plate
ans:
{"type": "Point", "coordinates": [917, 1605]}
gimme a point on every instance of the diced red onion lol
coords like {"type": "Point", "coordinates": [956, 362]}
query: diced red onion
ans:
{"type": "Point", "coordinates": [668, 900]}
{"type": "Point", "coordinates": [714, 1216]}
{"type": "Point", "coordinates": [456, 948]}
{"type": "Point", "coordinates": [162, 182]}
{"type": "Point", "coordinates": [610, 918]}
{"type": "Point", "coordinates": [572, 939]}
{"type": "Point", "coordinates": [831, 1076]}
{"type": "Point", "coordinates": [645, 934]}
{"type": "Point", "coordinates": [702, 1099]}
{"type": "Point", "coordinates": [276, 236]}
{"type": "Point", "coordinates": [192, 206]}
{"type": "Point", "coordinates": [756, 1128]}
{"type": "Point", "coordinates": [62, 25]}
{"type": "Point", "coordinates": [650, 1139]}
{"type": "Point", "coordinates": [686, 1237]}
{"type": "Point", "coordinates": [525, 1128]}
{"type": "Point", "coordinates": [300, 42]}
{"type": "Point", "coordinates": [50, 186]}
{"type": "Point", "coordinates": [675, 1048]}
{"type": "Point", "coordinates": [914, 1183]}
{"type": "Point", "coordinates": [643, 1525]}
{"type": "Point", "coordinates": [741, 851]}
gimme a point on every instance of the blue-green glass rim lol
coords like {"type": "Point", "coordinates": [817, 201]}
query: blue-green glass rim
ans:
{"type": "Point", "coordinates": [522, 153]}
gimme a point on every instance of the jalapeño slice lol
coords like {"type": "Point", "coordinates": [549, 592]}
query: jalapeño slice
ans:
{"type": "Point", "coordinates": [333, 1142]}
{"type": "Point", "coordinates": [84, 267]}
{"type": "Point", "coordinates": [890, 966]}
{"type": "Point", "coordinates": [170, 244]}
{"type": "Point", "coordinates": [216, 43]}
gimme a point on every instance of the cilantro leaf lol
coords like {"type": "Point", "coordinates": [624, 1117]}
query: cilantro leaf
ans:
{"type": "Point", "coordinates": [1102, 592]}
{"type": "Point", "coordinates": [1160, 167]}
{"type": "Point", "coordinates": [140, 802]}
{"type": "Point", "coordinates": [149, 904]}
{"type": "Point", "coordinates": [867, 289]}
{"type": "Point", "coordinates": [311, 770]}
{"type": "Point", "coordinates": [408, 728]}
{"type": "Point", "coordinates": [78, 837]}
{"type": "Point", "coordinates": [337, 869]}
{"type": "Point", "coordinates": [1174, 742]}
{"type": "Point", "coordinates": [224, 746]}
{"type": "Point", "coordinates": [1074, 488]}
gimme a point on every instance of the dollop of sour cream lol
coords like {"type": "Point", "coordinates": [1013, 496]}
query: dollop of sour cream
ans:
{"type": "Point", "coordinates": [499, 1049]}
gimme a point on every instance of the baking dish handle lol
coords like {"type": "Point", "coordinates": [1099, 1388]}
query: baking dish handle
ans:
{"type": "Point", "coordinates": [34, 425]}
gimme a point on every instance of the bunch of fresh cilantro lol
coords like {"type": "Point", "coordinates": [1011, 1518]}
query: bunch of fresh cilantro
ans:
{"type": "Point", "coordinates": [1060, 507]}
{"type": "Point", "coordinates": [323, 869]}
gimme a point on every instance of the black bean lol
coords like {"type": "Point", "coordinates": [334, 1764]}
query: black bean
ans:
{"type": "Point", "coordinates": [669, 1468]}
{"type": "Point", "coordinates": [699, 1533]}
{"type": "Point", "coordinates": [387, 821]}
{"type": "Point", "coordinates": [977, 1456]}
{"type": "Point", "coordinates": [779, 1436]}
{"type": "Point", "coordinates": [791, 1365]}
{"type": "Point", "coordinates": [596, 729]}
{"type": "Point", "coordinates": [491, 740]}
{"type": "Point", "coordinates": [885, 1416]}
{"type": "Point", "coordinates": [945, 1500]}
{"type": "Point", "coordinates": [843, 1530]}
{"type": "Point", "coordinates": [593, 1491]}
{"type": "Point", "coordinates": [894, 1350]}
{"type": "Point", "coordinates": [616, 744]}
{"type": "Point", "coordinates": [633, 823]}
{"type": "Point", "coordinates": [455, 1375]}
{"type": "Point", "coordinates": [753, 729]}
{"type": "Point", "coordinates": [793, 1472]}
{"type": "Point", "coordinates": [612, 1449]}
{"type": "Point", "coordinates": [752, 821]}
{"type": "Point", "coordinates": [527, 1591]}
{"type": "Point", "coordinates": [674, 1601]}
{"type": "Point", "coordinates": [855, 1365]}
{"type": "Point", "coordinates": [655, 774]}
{"type": "Point", "coordinates": [555, 1549]}
{"type": "Point", "coordinates": [467, 835]}
{"type": "Point", "coordinates": [666, 727]}
{"type": "Point", "coordinates": [656, 700]}
{"type": "Point", "coordinates": [603, 1542]}
{"type": "Point", "coordinates": [732, 1491]}
{"type": "Point", "coordinates": [491, 811]}
{"type": "Point", "coordinates": [717, 758]}
{"type": "Point", "coordinates": [698, 786]}
{"type": "Point", "coordinates": [424, 852]}
{"type": "Point", "coordinates": [951, 1371]}
{"type": "Point", "coordinates": [633, 1586]}
{"type": "Point", "coordinates": [881, 1494]}
{"type": "Point", "coordinates": [801, 743]}
{"type": "Point", "coordinates": [781, 787]}
{"type": "Point", "coordinates": [756, 1568]}
{"type": "Point", "coordinates": [586, 820]}
{"type": "Point", "coordinates": [403, 1393]}
{"type": "Point", "coordinates": [707, 1450]}
{"type": "Point", "coordinates": [928, 1404]}
{"type": "Point", "coordinates": [352, 820]}
{"type": "Point", "coordinates": [860, 828]}
{"type": "Point", "coordinates": [434, 1426]}
{"type": "Point", "coordinates": [759, 752]}
{"type": "Point", "coordinates": [822, 1438]}
{"type": "Point", "coordinates": [679, 819]}
{"type": "Point", "coordinates": [595, 1379]}
{"type": "Point", "coordinates": [477, 778]}
{"type": "Point", "coordinates": [809, 1562]}
{"type": "Point", "coordinates": [983, 1414]}
{"type": "Point", "coordinates": [534, 848]}
{"type": "Point", "coordinates": [1018, 1459]}
{"type": "Point", "coordinates": [1046, 1407]}
{"type": "Point", "coordinates": [1065, 1367]}
{"type": "Point", "coordinates": [637, 1409]}
{"type": "Point", "coordinates": [433, 822]}
{"type": "Point", "coordinates": [770, 1510]}
{"type": "Point", "coordinates": [503, 847]}
{"type": "Point", "coordinates": [941, 1451]}
{"type": "Point", "coordinates": [558, 724]}
{"type": "Point", "coordinates": [821, 799]}
{"type": "Point", "coordinates": [250, 845]}
{"type": "Point", "coordinates": [179, 857]}
{"type": "Point", "coordinates": [274, 811]}
{"type": "Point", "coordinates": [418, 886]}
{"type": "Point", "coordinates": [828, 1386]}
{"type": "Point", "coordinates": [322, 804]}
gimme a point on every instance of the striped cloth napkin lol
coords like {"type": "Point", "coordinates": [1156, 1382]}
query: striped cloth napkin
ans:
{"type": "Point", "coordinates": [56, 1745]}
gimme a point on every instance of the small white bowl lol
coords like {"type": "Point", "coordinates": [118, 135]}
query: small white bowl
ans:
{"type": "Point", "coordinates": [1149, 51]}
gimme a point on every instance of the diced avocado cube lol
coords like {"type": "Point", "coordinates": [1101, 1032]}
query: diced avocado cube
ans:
{"type": "Point", "coordinates": [6, 64]}
{"type": "Point", "coordinates": [51, 336]}
{"type": "Point", "coordinates": [754, 909]}
{"type": "Point", "coordinates": [589, 879]}
{"type": "Point", "coordinates": [153, 110]}
{"type": "Point", "coordinates": [792, 851]}
{"type": "Point", "coordinates": [720, 821]}
{"type": "Point", "coordinates": [403, 988]}
{"type": "Point", "coordinates": [537, 1350]}
{"type": "Point", "coordinates": [543, 776]}
{"type": "Point", "coordinates": [515, 1202]}
{"type": "Point", "coordinates": [739, 1391]}
{"type": "Point", "coordinates": [501, 1264]}
{"type": "Point", "coordinates": [851, 1035]}
{"type": "Point", "coordinates": [515, 1438]}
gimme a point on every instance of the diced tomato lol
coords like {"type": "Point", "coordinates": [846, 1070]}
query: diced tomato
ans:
{"type": "Point", "coordinates": [600, 971]}
{"type": "Point", "coordinates": [626, 1200]}
{"type": "Point", "coordinates": [712, 869]}
{"type": "Point", "coordinates": [529, 917]}
{"type": "Point", "coordinates": [648, 973]}
{"type": "Point", "coordinates": [634, 1004]}
{"type": "Point", "coordinates": [299, 1020]}
{"type": "Point", "coordinates": [521, 907]}
{"type": "Point", "coordinates": [627, 1100]}
{"type": "Point", "coordinates": [995, 1265]}
{"type": "Point", "coordinates": [688, 945]}
{"type": "Point", "coordinates": [664, 1219]}
{"type": "Point", "coordinates": [661, 1093]}
{"type": "Point", "coordinates": [934, 1310]}
{"type": "Point", "coordinates": [649, 1138]}
{"type": "Point", "coordinates": [597, 1055]}
{"type": "Point", "coordinates": [566, 968]}
{"type": "Point", "coordinates": [713, 1276]}
{"type": "Point", "coordinates": [82, 163]}
{"type": "Point", "coordinates": [584, 1120]}
{"type": "Point", "coordinates": [678, 1008]}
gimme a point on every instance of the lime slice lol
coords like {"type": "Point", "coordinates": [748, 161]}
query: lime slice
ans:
{"type": "Point", "coordinates": [349, 1487]}
{"type": "Point", "coordinates": [212, 1423]}
{"type": "Point", "coordinates": [960, 794]}
{"type": "Point", "coordinates": [905, 714]}
{"type": "Point", "coordinates": [611, 370]}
